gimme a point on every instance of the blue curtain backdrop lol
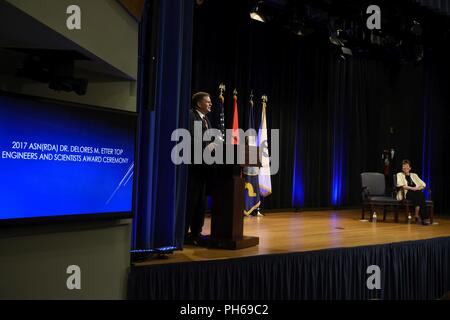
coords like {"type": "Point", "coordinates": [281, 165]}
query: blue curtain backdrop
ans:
{"type": "Point", "coordinates": [435, 131]}
{"type": "Point", "coordinates": [160, 192]}
{"type": "Point", "coordinates": [337, 104]}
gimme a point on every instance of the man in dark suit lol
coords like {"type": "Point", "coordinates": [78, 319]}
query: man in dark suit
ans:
{"type": "Point", "coordinates": [197, 173]}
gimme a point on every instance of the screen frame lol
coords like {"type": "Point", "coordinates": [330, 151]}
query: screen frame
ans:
{"type": "Point", "coordinates": [86, 216]}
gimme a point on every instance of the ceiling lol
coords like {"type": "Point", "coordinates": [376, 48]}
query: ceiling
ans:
{"type": "Point", "coordinates": [21, 35]}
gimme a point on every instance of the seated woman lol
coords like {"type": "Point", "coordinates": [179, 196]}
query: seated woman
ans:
{"type": "Point", "coordinates": [411, 186]}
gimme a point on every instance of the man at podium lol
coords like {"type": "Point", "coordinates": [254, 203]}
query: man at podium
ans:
{"type": "Point", "coordinates": [198, 173]}
{"type": "Point", "coordinates": [219, 165]}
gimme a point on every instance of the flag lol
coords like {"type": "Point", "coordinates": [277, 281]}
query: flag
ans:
{"type": "Point", "coordinates": [265, 183]}
{"type": "Point", "coordinates": [235, 132]}
{"type": "Point", "coordinates": [251, 191]}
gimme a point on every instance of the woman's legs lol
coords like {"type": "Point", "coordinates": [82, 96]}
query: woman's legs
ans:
{"type": "Point", "coordinates": [422, 205]}
{"type": "Point", "coordinates": [417, 212]}
{"type": "Point", "coordinates": [418, 201]}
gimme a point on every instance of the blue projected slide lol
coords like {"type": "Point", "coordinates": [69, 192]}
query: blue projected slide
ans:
{"type": "Point", "coordinates": [58, 160]}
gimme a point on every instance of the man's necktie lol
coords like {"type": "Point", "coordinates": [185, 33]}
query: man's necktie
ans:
{"type": "Point", "coordinates": [205, 123]}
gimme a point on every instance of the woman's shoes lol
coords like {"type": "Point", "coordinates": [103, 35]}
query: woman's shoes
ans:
{"type": "Point", "coordinates": [423, 222]}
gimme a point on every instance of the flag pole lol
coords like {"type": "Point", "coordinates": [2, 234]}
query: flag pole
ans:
{"type": "Point", "coordinates": [235, 126]}
{"type": "Point", "coordinates": [222, 113]}
{"type": "Point", "coordinates": [265, 183]}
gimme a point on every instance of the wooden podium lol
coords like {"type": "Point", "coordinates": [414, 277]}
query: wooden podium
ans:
{"type": "Point", "coordinates": [227, 218]}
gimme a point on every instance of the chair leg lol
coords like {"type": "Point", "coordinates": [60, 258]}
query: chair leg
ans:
{"type": "Point", "coordinates": [407, 212]}
{"type": "Point", "coordinates": [372, 209]}
{"type": "Point", "coordinates": [362, 212]}
{"type": "Point", "coordinates": [431, 214]}
{"type": "Point", "coordinates": [384, 213]}
{"type": "Point", "coordinates": [396, 214]}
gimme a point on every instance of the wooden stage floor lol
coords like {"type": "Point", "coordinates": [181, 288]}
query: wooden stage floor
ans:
{"type": "Point", "coordinates": [311, 230]}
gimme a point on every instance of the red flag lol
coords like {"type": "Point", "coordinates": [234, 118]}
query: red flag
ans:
{"type": "Point", "coordinates": [235, 135]}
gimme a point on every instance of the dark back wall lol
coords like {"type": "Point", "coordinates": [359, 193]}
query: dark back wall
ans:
{"type": "Point", "coordinates": [335, 116]}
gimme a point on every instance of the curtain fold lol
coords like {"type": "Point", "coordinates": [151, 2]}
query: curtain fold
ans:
{"type": "Point", "coordinates": [160, 196]}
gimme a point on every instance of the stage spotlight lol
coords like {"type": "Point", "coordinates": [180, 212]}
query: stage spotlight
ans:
{"type": "Point", "coordinates": [335, 40]}
{"type": "Point", "coordinates": [345, 53]}
{"type": "Point", "coordinates": [416, 29]}
{"type": "Point", "coordinates": [256, 13]}
{"type": "Point", "coordinates": [301, 30]}
{"type": "Point", "coordinates": [338, 37]}
{"type": "Point", "coordinates": [418, 52]}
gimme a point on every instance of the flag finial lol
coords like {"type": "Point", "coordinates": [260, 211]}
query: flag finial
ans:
{"type": "Point", "coordinates": [234, 92]}
{"type": "Point", "coordinates": [221, 90]}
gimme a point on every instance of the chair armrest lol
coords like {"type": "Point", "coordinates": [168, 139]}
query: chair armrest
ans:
{"type": "Point", "coordinates": [396, 190]}
{"type": "Point", "coordinates": [404, 195]}
{"type": "Point", "coordinates": [365, 193]}
{"type": "Point", "coordinates": [403, 191]}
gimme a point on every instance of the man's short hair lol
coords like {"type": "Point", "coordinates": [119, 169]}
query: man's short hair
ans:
{"type": "Point", "coordinates": [406, 161]}
{"type": "Point", "coordinates": [197, 97]}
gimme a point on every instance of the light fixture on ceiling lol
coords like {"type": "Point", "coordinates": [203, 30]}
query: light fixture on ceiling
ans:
{"type": "Point", "coordinates": [257, 14]}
